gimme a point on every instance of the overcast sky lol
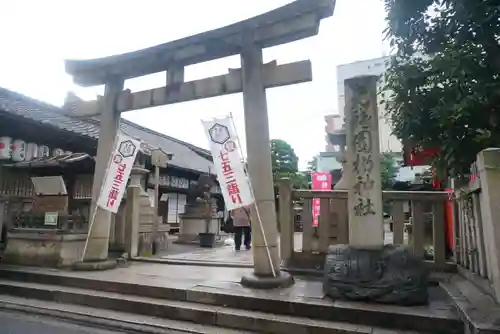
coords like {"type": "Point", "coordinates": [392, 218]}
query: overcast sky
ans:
{"type": "Point", "coordinates": [38, 35]}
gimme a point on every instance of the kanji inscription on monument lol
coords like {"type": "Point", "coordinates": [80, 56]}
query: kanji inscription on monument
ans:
{"type": "Point", "coordinates": [365, 269]}
{"type": "Point", "coordinates": [363, 162]}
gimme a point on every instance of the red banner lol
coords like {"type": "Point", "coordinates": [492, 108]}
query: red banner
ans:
{"type": "Point", "coordinates": [323, 182]}
{"type": "Point", "coordinates": [417, 156]}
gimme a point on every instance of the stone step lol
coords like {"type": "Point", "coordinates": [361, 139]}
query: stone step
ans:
{"type": "Point", "coordinates": [110, 320]}
{"type": "Point", "coordinates": [477, 309]}
{"type": "Point", "coordinates": [406, 318]}
{"type": "Point", "coordinates": [208, 315]}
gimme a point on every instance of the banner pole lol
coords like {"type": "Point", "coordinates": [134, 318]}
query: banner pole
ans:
{"type": "Point", "coordinates": [91, 223]}
{"type": "Point", "coordinates": [257, 211]}
{"type": "Point", "coordinates": [96, 207]}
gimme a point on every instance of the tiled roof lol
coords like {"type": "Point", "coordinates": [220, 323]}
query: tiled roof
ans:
{"type": "Point", "coordinates": [186, 156]}
{"type": "Point", "coordinates": [23, 106]}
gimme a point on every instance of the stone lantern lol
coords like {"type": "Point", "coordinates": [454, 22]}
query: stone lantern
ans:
{"type": "Point", "coordinates": [339, 137]}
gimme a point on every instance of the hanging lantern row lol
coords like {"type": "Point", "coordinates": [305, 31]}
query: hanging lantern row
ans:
{"type": "Point", "coordinates": [18, 150]}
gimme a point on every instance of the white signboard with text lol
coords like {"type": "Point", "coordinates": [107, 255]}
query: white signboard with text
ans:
{"type": "Point", "coordinates": [228, 163]}
{"type": "Point", "coordinates": [119, 168]}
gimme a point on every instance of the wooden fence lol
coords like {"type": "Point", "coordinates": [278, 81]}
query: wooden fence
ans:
{"type": "Point", "coordinates": [475, 236]}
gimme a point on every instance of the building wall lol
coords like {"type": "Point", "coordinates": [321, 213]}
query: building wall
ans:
{"type": "Point", "coordinates": [333, 122]}
{"type": "Point", "coordinates": [328, 161]}
{"type": "Point", "coordinates": [375, 66]}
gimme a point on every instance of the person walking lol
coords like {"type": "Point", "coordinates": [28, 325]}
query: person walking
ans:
{"type": "Point", "coordinates": [242, 227]}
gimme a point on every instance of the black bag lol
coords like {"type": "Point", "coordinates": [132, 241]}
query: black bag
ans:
{"type": "Point", "coordinates": [228, 226]}
{"type": "Point", "coordinates": [247, 212]}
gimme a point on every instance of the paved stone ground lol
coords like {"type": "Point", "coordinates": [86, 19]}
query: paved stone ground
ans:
{"type": "Point", "coordinates": [221, 254]}
{"type": "Point", "coordinates": [224, 254]}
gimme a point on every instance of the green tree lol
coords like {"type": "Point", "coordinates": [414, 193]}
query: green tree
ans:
{"type": "Point", "coordinates": [283, 157]}
{"type": "Point", "coordinates": [312, 165]}
{"type": "Point", "coordinates": [388, 170]}
{"type": "Point", "coordinates": [388, 173]}
{"type": "Point", "coordinates": [443, 82]}
{"type": "Point", "coordinates": [301, 180]}
{"type": "Point", "coordinates": [285, 163]}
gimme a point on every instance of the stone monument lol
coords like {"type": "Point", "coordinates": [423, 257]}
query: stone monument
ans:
{"type": "Point", "coordinates": [198, 207]}
{"type": "Point", "coordinates": [366, 269]}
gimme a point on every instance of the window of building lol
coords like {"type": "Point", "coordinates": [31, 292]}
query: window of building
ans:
{"type": "Point", "coordinates": [176, 203]}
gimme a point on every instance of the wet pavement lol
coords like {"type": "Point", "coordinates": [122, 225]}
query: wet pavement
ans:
{"type": "Point", "coordinates": [226, 280]}
{"type": "Point", "coordinates": [20, 323]}
{"type": "Point", "coordinates": [221, 254]}
{"type": "Point", "coordinates": [224, 255]}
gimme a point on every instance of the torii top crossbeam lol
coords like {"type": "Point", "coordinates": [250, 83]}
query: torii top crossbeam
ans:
{"type": "Point", "coordinates": [297, 20]}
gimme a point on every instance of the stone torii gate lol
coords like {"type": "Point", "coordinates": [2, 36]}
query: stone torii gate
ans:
{"type": "Point", "coordinates": [297, 20]}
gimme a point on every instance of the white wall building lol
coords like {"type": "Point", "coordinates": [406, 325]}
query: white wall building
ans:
{"type": "Point", "coordinates": [375, 66]}
{"type": "Point", "coordinates": [328, 161]}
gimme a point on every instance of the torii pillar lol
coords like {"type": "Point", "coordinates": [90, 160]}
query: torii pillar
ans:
{"type": "Point", "coordinates": [96, 255]}
{"type": "Point", "coordinates": [294, 21]}
{"type": "Point", "coordinates": [260, 170]}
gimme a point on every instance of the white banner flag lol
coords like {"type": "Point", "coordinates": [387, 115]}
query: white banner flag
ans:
{"type": "Point", "coordinates": [228, 163]}
{"type": "Point", "coordinates": [119, 168]}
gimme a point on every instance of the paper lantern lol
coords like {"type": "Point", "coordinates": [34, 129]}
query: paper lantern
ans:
{"type": "Point", "coordinates": [5, 148]}
{"type": "Point", "coordinates": [18, 150]}
{"type": "Point", "coordinates": [57, 152]}
{"type": "Point", "coordinates": [31, 151]}
{"type": "Point", "coordinates": [43, 151]}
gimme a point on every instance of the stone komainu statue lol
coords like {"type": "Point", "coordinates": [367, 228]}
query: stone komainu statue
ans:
{"type": "Point", "coordinates": [391, 275]}
{"type": "Point", "coordinates": [200, 191]}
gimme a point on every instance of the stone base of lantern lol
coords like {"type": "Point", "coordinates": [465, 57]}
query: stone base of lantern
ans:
{"type": "Point", "coordinates": [388, 274]}
{"type": "Point", "coordinates": [43, 248]}
{"type": "Point", "coordinates": [192, 226]}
